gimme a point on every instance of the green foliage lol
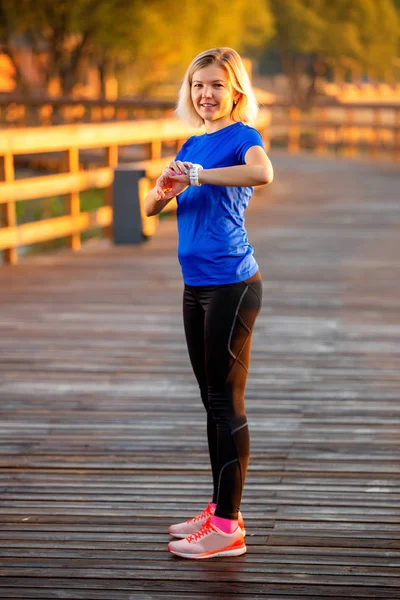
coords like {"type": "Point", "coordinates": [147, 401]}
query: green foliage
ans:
{"type": "Point", "coordinates": [365, 31]}
{"type": "Point", "coordinates": [153, 41]}
{"type": "Point", "coordinates": [157, 37]}
{"type": "Point", "coordinates": [49, 208]}
{"type": "Point", "coordinates": [166, 37]}
{"type": "Point", "coordinates": [300, 24]}
{"type": "Point", "coordinates": [358, 33]}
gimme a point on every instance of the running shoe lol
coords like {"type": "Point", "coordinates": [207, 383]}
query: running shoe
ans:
{"type": "Point", "coordinates": [182, 530]}
{"type": "Point", "coordinates": [209, 542]}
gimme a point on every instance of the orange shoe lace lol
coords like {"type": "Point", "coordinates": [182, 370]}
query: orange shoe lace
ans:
{"type": "Point", "coordinates": [205, 530]}
{"type": "Point", "coordinates": [207, 512]}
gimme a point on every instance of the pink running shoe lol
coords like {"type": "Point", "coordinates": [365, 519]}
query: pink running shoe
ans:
{"type": "Point", "coordinates": [209, 542]}
{"type": "Point", "coordinates": [182, 530]}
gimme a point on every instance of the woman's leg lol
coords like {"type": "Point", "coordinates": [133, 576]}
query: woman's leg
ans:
{"type": "Point", "coordinates": [194, 302]}
{"type": "Point", "coordinates": [229, 322]}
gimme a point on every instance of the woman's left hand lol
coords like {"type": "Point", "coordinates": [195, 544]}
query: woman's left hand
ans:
{"type": "Point", "coordinates": [179, 171]}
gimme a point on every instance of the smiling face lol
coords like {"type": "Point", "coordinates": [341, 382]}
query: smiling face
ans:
{"type": "Point", "coordinates": [213, 96]}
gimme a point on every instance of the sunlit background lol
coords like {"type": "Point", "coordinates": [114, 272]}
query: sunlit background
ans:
{"type": "Point", "coordinates": [124, 48]}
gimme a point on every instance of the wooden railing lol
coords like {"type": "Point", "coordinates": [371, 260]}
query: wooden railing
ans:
{"type": "Point", "coordinates": [346, 129]}
{"type": "Point", "coordinates": [159, 137]}
{"type": "Point", "coordinates": [18, 111]}
{"type": "Point", "coordinates": [343, 127]}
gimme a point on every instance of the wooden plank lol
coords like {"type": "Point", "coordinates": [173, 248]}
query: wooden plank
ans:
{"type": "Point", "coordinates": [111, 162]}
{"type": "Point", "coordinates": [73, 199]}
{"type": "Point", "coordinates": [51, 185]}
{"type": "Point", "coordinates": [98, 594]}
{"type": "Point", "coordinates": [50, 229]}
{"type": "Point", "coordinates": [64, 137]}
{"type": "Point", "coordinates": [212, 588]}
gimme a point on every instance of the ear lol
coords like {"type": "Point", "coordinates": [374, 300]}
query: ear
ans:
{"type": "Point", "coordinates": [236, 99]}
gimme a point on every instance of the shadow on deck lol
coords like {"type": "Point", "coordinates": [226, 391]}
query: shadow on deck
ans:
{"type": "Point", "coordinates": [102, 434]}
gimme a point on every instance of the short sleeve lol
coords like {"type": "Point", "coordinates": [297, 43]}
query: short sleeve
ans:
{"type": "Point", "coordinates": [250, 137]}
{"type": "Point", "coordinates": [183, 151]}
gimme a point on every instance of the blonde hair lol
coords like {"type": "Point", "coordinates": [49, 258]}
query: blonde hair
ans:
{"type": "Point", "coordinates": [246, 108]}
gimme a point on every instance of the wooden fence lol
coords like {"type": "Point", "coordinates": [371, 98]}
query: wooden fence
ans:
{"type": "Point", "coordinates": [330, 125]}
{"type": "Point", "coordinates": [157, 135]}
{"type": "Point", "coordinates": [345, 129]}
{"type": "Point", "coordinates": [17, 111]}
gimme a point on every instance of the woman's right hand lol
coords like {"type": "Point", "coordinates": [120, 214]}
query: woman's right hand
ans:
{"type": "Point", "coordinates": [167, 186]}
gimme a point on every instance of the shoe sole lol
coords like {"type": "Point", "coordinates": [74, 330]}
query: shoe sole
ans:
{"type": "Point", "coordinates": [232, 552]}
{"type": "Point", "coordinates": [182, 536]}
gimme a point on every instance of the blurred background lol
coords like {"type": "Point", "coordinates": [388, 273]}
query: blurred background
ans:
{"type": "Point", "coordinates": [297, 50]}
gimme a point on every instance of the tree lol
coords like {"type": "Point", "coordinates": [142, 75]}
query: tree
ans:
{"type": "Point", "coordinates": [65, 32]}
{"type": "Point", "coordinates": [166, 37]}
{"type": "Point", "coordinates": [11, 24]}
{"type": "Point", "coordinates": [156, 37]}
{"type": "Point", "coordinates": [314, 34]}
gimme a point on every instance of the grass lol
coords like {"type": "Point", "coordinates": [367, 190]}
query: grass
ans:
{"type": "Point", "coordinates": [39, 209]}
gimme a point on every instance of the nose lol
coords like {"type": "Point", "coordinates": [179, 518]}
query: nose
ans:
{"type": "Point", "coordinates": [207, 92]}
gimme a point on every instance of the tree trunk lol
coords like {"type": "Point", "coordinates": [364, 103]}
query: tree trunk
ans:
{"type": "Point", "coordinates": [290, 72]}
{"type": "Point", "coordinates": [104, 65]}
{"type": "Point", "coordinates": [22, 85]}
{"type": "Point", "coordinates": [73, 65]}
{"type": "Point", "coordinates": [318, 67]}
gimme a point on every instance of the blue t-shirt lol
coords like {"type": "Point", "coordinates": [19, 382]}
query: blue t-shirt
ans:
{"type": "Point", "coordinates": [213, 248]}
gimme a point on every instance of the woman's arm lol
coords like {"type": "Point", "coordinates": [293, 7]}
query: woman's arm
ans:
{"type": "Point", "coordinates": [153, 204]}
{"type": "Point", "coordinates": [175, 178]}
{"type": "Point", "coordinates": [165, 189]}
{"type": "Point", "coordinates": [257, 171]}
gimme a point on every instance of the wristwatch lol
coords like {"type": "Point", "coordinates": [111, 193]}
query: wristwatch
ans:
{"type": "Point", "coordinates": [194, 175]}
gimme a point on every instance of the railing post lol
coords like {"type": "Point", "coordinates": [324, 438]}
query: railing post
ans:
{"type": "Point", "coordinates": [178, 145]}
{"type": "Point", "coordinates": [9, 209]}
{"type": "Point", "coordinates": [155, 149]}
{"type": "Point", "coordinates": [73, 198]}
{"type": "Point", "coordinates": [294, 129]}
{"type": "Point", "coordinates": [321, 145]}
{"type": "Point", "coordinates": [266, 133]}
{"type": "Point", "coordinates": [121, 114]}
{"type": "Point", "coordinates": [112, 162]}
{"type": "Point", "coordinates": [95, 114]}
{"type": "Point", "coordinates": [375, 137]}
{"type": "Point", "coordinates": [351, 150]}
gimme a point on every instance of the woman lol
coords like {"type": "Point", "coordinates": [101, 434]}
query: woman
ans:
{"type": "Point", "coordinates": [213, 177]}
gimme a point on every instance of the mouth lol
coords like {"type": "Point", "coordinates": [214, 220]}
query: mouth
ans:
{"type": "Point", "coordinates": [207, 105]}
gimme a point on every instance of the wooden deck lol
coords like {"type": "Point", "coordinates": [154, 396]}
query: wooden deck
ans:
{"type": "Point", "coordinates": [102, 435]}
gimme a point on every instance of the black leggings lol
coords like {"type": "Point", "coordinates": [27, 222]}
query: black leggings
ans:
{"type": "Point", "coordinates": [218, 324]}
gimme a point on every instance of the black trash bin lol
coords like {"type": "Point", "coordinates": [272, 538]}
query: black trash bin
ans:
{"type": "Point", "coordinates": [127, 226]}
